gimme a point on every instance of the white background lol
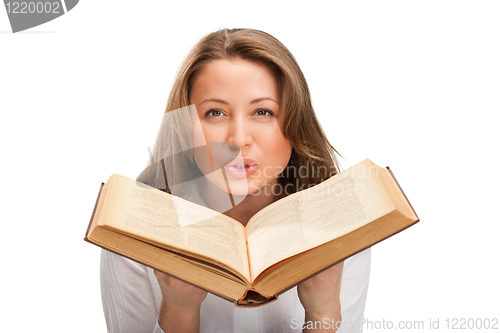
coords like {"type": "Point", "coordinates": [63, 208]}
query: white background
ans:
{"type": "Point", "coordinates": [410, 84]}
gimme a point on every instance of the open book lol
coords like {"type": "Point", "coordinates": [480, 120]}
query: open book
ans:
{"type": "Point", "coordinates": [283, 244]}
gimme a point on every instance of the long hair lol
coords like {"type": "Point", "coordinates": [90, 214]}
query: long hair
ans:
{"type": "Point", "coordinates": [313, 158]}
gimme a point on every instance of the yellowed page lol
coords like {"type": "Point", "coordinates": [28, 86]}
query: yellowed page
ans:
{"type": "Point", "coordinates": [314, 216]}
{"type": "Point", "coordinates": [152, 214]}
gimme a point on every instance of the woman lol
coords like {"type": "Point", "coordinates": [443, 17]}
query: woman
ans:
{"type": "Point", "coordinates": [245, 89]}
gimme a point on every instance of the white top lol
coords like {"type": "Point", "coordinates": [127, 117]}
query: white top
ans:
{"type": "Point", "coordinates": [131, 300]}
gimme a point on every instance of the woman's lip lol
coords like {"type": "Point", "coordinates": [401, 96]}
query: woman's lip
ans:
{"type": "Point", "coordinates": [241, 160]}
{"type": "Point", "coordinates": [235, 172]}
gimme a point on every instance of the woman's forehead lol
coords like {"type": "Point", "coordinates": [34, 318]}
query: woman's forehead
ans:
{"type": "Point", "coordinates": [225, 80]}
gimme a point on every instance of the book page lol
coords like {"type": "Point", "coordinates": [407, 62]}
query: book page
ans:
{"type": "Point", "coordinates": [138, 209]}
{"type": "Point", "coordinates": [314, 216]}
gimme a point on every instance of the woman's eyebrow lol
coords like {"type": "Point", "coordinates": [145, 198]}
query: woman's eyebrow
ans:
{"type": "Point", "coordinates": [254, 101]}
{"type": "Point", "coordinates": [257, 100]}
{"type": "Point", "coordinates": [213, 100]}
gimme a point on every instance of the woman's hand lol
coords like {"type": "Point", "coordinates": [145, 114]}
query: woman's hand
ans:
{"type": "Point", "coordinates": [180, 305]}
{"type": "Point", "coordinates": [320, 297]}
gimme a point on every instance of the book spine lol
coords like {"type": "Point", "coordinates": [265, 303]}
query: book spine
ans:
{"type": "Point", "coordinates": [399, 186]}
{"type": "Point", "coordinates": [253, 298]}
{"type": "Point", "coordinates": [93, 213]}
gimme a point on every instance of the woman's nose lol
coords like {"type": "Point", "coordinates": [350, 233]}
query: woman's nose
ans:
{"type": "Point", "coordinates": [240, 132]}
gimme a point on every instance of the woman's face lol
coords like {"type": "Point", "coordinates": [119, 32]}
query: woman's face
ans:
{"type": "Point", "coordinates": [237, 102]}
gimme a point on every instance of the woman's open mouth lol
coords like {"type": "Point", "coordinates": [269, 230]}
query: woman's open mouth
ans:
{"type": "Point", "coordinates": [241, 168]}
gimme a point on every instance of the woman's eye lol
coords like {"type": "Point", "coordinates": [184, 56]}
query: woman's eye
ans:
{"type": "Point", "coordinates": [264, 112]}
{"type": "Point", "coordinates": [214, 113]}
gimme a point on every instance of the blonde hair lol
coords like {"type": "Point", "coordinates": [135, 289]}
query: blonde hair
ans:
{"type": "Point", "coordinates": [310, 147]}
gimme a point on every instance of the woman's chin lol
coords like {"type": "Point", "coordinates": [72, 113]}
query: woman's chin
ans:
{"type": "Point", "coordinates": [238, 187]}
{"type": "Point", "coordinates": [240, 190]}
